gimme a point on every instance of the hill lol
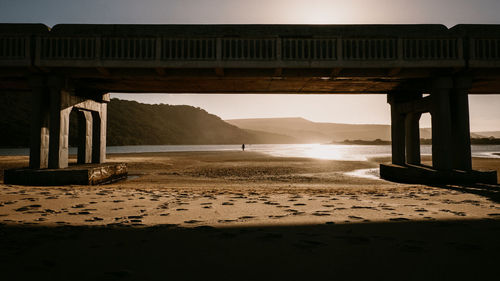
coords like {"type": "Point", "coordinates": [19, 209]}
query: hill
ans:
{"type": "Point", "coordinates": [307, 131]}
{"type": "Point", "coordinates": [133, 123]}
{"type": "Point", "coordinates": [494, 134]}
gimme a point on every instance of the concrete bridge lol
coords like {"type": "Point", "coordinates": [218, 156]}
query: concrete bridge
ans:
{"type": "Point", "coordinates": [422, 68]}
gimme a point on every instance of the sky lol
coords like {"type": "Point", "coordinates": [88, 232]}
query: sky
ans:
{"type": "Point", "coordinates": [484, 110]}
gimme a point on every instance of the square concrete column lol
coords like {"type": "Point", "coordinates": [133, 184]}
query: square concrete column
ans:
{"type": "Point", "coordinates": [412, 138]}
{"type": "Point", "coordinates": [39, 130]}
{"type": "Point", "coordinates": [84, 136]}
{"type": "Point", "coordinates": [460, 128]}
{"type": "Point", "coordinates": [59, 125]}
{"type": "Point", "coordinates": [397, 132]}
{"type": "Point", "coordinates": [441, 124]}
{"type": "Point", "coordinates": [99, 120]}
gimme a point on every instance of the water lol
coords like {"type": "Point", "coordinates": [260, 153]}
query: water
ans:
{"type": "Point", "coordinates": [318, 151]}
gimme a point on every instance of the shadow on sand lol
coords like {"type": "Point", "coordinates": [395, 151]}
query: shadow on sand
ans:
{"type": "Point", "coordinates": [398, 250]}
{"type": "Point", "coordinates": [490, 191]}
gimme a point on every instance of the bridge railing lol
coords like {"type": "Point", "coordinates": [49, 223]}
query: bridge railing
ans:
{"type": "Point", "coordinates": [484, 52]}
{"type": "Point", "coordinates": [54, 51]}
{"type": "Point", "coordinates": [17, 50]}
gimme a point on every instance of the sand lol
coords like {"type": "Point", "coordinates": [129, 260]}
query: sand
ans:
{"type": "Point", "coordinates": [245, 215]}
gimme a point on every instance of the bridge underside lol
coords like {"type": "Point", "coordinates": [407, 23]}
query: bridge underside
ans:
{"type": "Point", "coordinates": [74, 67]}
{"type": "Point", "coordinates": [260, 81]}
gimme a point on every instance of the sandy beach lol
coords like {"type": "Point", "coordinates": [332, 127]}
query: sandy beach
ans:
{"type": "Point", "coordinates": [248, 216]}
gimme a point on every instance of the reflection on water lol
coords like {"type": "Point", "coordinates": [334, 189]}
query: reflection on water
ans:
{"type": "Point", "coordinates": [318, 151]}
{"type": "Point", "coordinates": [373, 173]}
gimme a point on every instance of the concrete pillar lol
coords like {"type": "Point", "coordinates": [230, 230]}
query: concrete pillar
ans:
{"type": "Point", "coordinates": [39, 130]}
{"type": "Point", "coordinates": [84, 136]}
{"type": "Point", "coordinates": [397, 132]}
{"type": "Point", "coordinates": [99, 120]}
{"type": "Point", "coordinates": [412, 138]}
{"type": "Point", "coordinates": [441, 124]}
{"type": "Point", "coordinates": [59, 124]}
{"type": "Point", "coordinates": [460, 128]}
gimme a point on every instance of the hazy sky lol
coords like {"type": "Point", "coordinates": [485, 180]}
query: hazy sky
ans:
{"type": "Point", "coordinates": [485, 110]}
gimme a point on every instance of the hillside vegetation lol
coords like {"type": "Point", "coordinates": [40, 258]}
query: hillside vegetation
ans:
{"type": "Point", "coordinates": [133, 123]}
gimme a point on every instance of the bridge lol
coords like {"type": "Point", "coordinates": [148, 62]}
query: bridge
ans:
{"type": "Point", "coordinates": [421, 68]}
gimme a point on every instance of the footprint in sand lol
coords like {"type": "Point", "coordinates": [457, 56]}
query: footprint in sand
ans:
{"type": "Point", "coordinates": [276, 216]}
{"type": "Point", "coordinates": [399, 219]}
{"type": "Point", "coordinates": [282, 206]}
{"type": "Point", "coordinates": [28, 208]}
{"type": "Point", "coordinates": [226, 221]}
{"type": "Point", "coordinates": [461, 214]}
{"type": "Point", "coordinates": [355, 217]}
{"type": "Point", "coordinates": [271, 203]}
{"type": "Point", "coordinates": [246, 217]}
{"type": "Point", "coordinates": [78, 206]}
{"type": "Point", "coordinates": [320, 214]}
{"type": "Point", "coordinates": [363, 207]}
{"type": "Point", "coordinates": [135, 217]}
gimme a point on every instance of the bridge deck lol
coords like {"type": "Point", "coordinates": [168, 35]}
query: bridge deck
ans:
{"type": "Point", "coordinates": [250, 58]}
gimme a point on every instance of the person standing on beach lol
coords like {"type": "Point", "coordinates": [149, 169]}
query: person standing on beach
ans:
{"type": "Point", "coordinates": [243, 147]}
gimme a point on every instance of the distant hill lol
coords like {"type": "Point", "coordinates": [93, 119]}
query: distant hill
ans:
{"type": "Point", "coordinates": [307, 131]}
{"type": "Point", "coordinates": [495, 134]}
{"type": "Point", "coordinates": [133, 123]}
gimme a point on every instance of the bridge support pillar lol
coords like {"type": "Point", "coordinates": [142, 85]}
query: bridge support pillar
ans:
{"type": "Point", "coordinates": [84, 137]}
{"type": "Point", "coordinates": [413, 138]}
{"type": "Point", "coordinates": [451, 150]}
{"type": "Point", "coordinates": [59, 124]}
{"type": "Point", "coordinates": [39, 131]}
{"type": "Point", "coordinates": [397, 132]}
{"type": "Point", "coordinates": [99, 120]}
{"type": "Point", "coordinates": [460, 128]}
{"type": "Point", "coordinates": [441, 124]}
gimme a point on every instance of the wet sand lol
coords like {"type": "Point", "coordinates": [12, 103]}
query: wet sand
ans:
{"type": "Point", "coordinates": [244, 215]}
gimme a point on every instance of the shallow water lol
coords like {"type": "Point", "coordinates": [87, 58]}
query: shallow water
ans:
{"type": "Point", "coordinates": [318, 151]}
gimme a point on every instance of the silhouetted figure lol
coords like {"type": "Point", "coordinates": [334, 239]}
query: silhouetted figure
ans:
{"type": "Point", "coordinates": [243, 147]}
